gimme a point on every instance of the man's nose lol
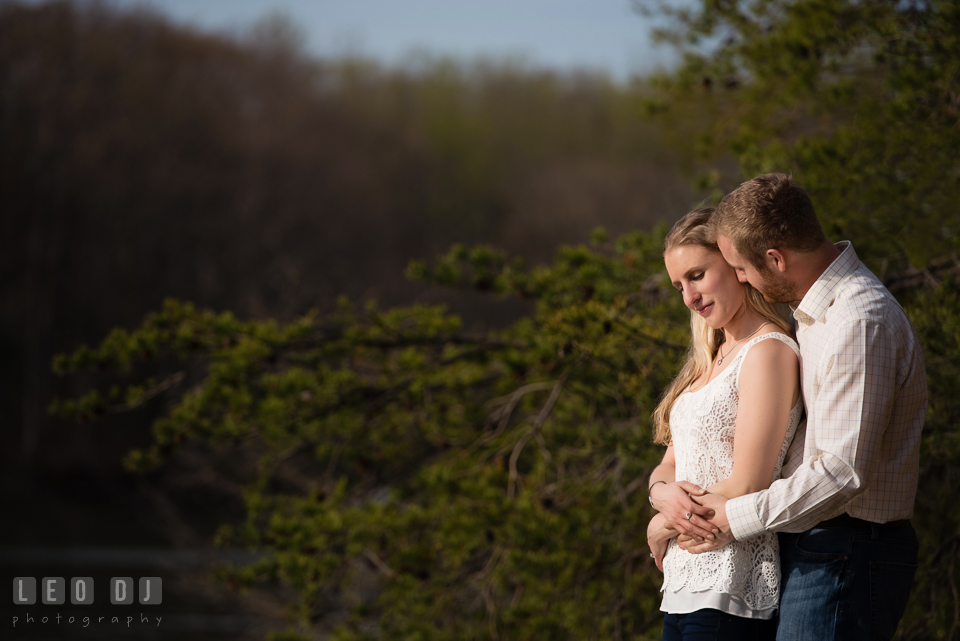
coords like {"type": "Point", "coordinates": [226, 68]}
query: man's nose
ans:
{"type": "Point", "coordinates": [742, 277]}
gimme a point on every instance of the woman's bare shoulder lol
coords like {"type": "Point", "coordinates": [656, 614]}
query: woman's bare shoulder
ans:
{"type": "Point", "coordinates": [774, 351]}
{"type": "Point", "coordinates": [771, 369]}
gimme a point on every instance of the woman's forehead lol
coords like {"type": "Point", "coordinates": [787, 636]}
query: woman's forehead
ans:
{"type": "Point", "coordinates": [685, 256]}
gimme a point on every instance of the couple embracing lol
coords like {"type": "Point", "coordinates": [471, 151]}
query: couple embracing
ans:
{"type": "Point", "coordinates": [770, 526]}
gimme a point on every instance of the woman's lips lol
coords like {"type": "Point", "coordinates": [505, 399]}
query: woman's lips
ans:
{"type": "Point", "coordinates": [703, 310]}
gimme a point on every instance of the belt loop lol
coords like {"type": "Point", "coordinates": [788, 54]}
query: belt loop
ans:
{"type": "Point", "coordinates": [874, 531]}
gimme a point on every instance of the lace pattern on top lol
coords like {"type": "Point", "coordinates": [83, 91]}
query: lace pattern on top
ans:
{"type": "Point", "coordinates": [702, 425]}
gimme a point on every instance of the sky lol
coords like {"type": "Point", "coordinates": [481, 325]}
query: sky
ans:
{"type": "Point", "coordinates": [605, 35]}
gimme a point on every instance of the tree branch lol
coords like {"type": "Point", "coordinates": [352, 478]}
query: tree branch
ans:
{"type": "Point", "coordinates": [538, 422]}
{"type": "Point", "coordinates": [168, 383]}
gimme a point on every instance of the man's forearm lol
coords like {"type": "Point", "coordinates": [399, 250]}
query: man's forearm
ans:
{"type": "Point", "coordinates": [816, 490]}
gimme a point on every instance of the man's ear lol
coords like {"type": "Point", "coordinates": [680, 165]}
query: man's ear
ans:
{"type": "Point", "coordinates": [776, 260]}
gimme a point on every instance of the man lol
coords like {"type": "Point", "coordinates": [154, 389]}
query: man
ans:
{"type": "Point", "coordinates": [848, 496]}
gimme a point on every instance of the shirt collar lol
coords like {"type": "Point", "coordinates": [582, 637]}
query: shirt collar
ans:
{"type": "Point", "coordinates": [821, 295]}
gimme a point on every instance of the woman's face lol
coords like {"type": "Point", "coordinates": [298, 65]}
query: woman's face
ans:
{"type": "Point", "coordinates": [709, 285]}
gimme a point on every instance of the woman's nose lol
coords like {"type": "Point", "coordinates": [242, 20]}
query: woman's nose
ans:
{"type": "Point", "coordinates": [690, 297]}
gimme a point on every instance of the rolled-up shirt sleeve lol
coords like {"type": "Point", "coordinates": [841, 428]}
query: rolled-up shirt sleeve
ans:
{"type": "Point", "coordinates": [853, 390]}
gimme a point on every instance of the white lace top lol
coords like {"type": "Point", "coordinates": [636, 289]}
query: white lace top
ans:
{"type": "Point", "coordinates": [742, 578]}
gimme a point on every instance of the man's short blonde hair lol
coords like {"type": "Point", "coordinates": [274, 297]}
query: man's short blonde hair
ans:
{"type": "Point", "coordinates": [768, 212]}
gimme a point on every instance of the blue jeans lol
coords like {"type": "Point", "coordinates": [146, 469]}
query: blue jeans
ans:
{"type": "Point", "coordinates": [845, 583]}
{"type": "Point", "coordinates": [714, 625]}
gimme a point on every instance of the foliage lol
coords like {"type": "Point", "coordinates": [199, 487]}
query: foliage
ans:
{"type": "Point", "coordinates": [934, 611]}
{"type": "Point", "coordinates": [457, 485]}
{"type": "Point", "coordinates": [489, 480]}
{"type": "Point", "coordinates": [860, 100]}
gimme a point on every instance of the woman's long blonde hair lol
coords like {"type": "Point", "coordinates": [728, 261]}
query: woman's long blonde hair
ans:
{"type": "Point", "coordinates": [696, 229]}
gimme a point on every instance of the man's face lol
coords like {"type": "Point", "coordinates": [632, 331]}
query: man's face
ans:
{"type": "Point", "coordinates": [771, 283]}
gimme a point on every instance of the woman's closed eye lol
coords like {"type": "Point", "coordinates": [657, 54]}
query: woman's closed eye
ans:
{"type": "Point", "coordinates": [692, 278]}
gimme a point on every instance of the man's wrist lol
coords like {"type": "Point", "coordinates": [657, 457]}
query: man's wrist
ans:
{"type": "Point", "coordinates": [743, 518]}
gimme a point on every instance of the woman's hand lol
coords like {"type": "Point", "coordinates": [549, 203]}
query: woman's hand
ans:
{"type": "Point", "coordinates": [723, 537]}
{"type": "Point", "coordinates": [673, 502]}
{"type": "Point", "coordinates": [658, 536]}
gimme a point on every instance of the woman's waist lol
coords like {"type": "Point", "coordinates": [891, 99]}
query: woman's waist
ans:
{"type": "Point", "coordinates": [702, 478]}
{"type": "Point", "coordinates": [762, 547]}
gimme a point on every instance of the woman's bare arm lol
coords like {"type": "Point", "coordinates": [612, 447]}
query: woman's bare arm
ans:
{"type": "Point", "coordinates": [769, 389]}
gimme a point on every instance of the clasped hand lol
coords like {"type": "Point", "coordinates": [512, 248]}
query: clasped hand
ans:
{"type": "Point", "coordinates": [717, 505]}
{"type": "Point", "coordinates": [675, 501]}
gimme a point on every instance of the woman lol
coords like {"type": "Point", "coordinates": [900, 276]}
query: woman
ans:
{"type": "Point", "coordinates": [727, 420]}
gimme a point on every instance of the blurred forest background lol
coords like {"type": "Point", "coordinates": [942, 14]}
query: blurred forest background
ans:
{"type": "Point", "coordinates": [414, 471]}
{"type": "Point", "coordinates": [141, 160]}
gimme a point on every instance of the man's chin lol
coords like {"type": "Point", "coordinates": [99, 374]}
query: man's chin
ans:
{"type": "Point", "coordinates": [780, 298]}
{"type": "Point", "coordinates": [776, 291]}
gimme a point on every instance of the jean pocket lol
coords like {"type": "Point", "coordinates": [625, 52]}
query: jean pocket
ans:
{"type": "Point", "coordinates": [824, 544]}
{"type": "Point", "coordinates": [890, 585]}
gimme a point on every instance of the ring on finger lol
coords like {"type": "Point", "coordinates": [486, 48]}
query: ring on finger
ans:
{"type": "Point", "coordinates": [688, 515]}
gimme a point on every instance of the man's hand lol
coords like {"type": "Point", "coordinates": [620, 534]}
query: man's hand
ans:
{"type": "Point", "coordinates": [674, 501]}
{"type": "Point", "coordinates": [719, 506]}
{"type": "Point", "coordinates": [698, 547]}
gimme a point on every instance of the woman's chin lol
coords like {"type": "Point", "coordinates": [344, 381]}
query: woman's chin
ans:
{"type": "Point", "coordinates": [713, 320]}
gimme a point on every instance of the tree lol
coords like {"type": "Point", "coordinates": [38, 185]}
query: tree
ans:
{"type": "Point", "coordinates": [436, 483]}
{"type": "Point", "coordinates": [860, 100]}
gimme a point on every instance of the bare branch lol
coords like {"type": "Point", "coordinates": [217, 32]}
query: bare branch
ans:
{"type": "Point", "coordinates": [635, 484]}
{"type": "Point", "coordinates": [168, 383]}
{"type": "Point", "coordinates": [377, 561]}
{"type": "Point", "coordinates": [506, 412]}
{"type": "Point", "coordinates": [538, 422]}
{"type": "Point", "coordinates": [935, 271]}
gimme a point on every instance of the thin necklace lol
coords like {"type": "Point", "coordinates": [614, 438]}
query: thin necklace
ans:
{"type": "Point", "coordinates": [720, 349]}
